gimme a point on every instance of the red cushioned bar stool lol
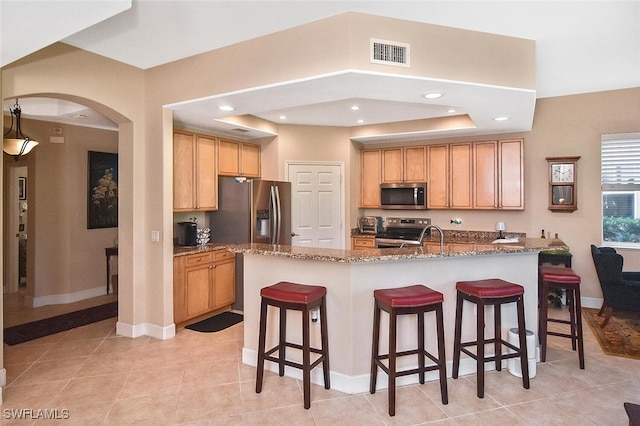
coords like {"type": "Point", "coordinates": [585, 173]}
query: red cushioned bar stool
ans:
{"type": "Point", "coordinates": [568, 280]}
{"type": "Point", "coordinates": [415, 299]}
{"type": "Point", "coordinates": [494, 292]}
{"type": "Point", "coordinates": [298, 297]}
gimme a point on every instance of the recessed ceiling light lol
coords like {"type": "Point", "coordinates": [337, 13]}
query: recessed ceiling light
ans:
{"type": "Point", "coordinates": [283, 117]}
{"type": "Point", "coordinates": [502, 118]}
{"type": "Point", "coordinates": [226, 108]}
{"type": "Point", "coordinates": [432, 95]}
{"type": "Point", "coordinates": [360, 121]}
{"type": "Point", "coordinates": [451, 111]}
{"type": "Point", "coordinates": [355, 107]}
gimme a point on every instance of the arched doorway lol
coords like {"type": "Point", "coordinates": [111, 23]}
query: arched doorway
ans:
{"type": "Point", "coordinates": [42, 246]}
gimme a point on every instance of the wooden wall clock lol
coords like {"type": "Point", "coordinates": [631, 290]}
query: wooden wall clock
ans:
{"type": "Point", "coordinates": [563, 183]}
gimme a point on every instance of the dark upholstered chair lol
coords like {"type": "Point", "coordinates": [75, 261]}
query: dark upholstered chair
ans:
{"type": "Point", "coordinates": [621, 290]}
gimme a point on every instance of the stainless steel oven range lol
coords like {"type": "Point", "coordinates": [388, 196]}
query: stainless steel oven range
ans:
{"type": "Point", "coordinates": [403, 232]}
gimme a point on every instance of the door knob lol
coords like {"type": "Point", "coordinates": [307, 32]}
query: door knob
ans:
{"type": "Point", "coordinates": [293, 234]}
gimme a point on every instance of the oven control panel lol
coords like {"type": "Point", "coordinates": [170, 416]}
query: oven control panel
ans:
{"type": "Point", "coordinates": [408, 222]}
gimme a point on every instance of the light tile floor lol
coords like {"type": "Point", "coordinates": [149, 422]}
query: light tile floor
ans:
{"type": "Point", "coordinates": [100, 378]}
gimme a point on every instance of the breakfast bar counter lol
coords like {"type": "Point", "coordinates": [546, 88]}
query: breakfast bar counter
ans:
{"type": "Point", "coordinates": [351, 277]}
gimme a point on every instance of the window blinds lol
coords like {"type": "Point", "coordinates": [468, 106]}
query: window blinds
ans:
{"type": "Point", "coordinates": [620, 162]}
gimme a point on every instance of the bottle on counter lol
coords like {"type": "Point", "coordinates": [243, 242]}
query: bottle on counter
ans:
{"type": "Point", "coordinates": [542, 234]}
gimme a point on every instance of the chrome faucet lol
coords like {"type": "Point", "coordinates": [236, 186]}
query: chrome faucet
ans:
{"type": "Point", "coordinates": [424, 231]}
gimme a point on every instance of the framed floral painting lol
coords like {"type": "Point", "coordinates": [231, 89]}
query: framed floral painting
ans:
{"type": "Point", "coordinates": [102, 190]}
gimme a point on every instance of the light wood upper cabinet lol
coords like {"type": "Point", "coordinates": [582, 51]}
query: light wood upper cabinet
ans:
{"type": "Point", "coordinates": [485, 176]}
{"type": "Point", "coordinates": [499, 175]}
{"type": "Point", "coordinates": [405, 164]}
{"type": "Point", "coordinates": [511, 169]}
{"type": "Point", "coordinates": [460, 176]}
{"type": "Point", "coordinates": [449, 176]}
{"type": "Point", "coordinates": [370, 178]}
{"type": "Point", "coordinates": [238, 159]}
{"type": "Point", "coordinates": [195, 181]}
{"type": "Point", "coordinates": [438, 176]}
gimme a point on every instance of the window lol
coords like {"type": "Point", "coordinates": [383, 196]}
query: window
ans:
{"type": "Point", "coordinates": [620, 178]}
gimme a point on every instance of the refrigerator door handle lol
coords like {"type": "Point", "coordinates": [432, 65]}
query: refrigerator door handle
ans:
{"type": "Point", "coordinates": [272, 216]}
{"type": "Point", "coordinates": [278, 215]}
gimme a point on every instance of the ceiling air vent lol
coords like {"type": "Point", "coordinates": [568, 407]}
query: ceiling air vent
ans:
{"type": "Point", "coordinates": [389, 53]}
{"type": "Point", "coordinates": [238, 129]}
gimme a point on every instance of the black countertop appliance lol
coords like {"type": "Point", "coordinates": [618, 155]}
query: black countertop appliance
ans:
{"type": "Point", "coordinates": [187, 233]}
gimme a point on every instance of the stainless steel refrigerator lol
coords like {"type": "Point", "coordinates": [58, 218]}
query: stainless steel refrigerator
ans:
{"type": "Point", "coordinates": [251, 211]}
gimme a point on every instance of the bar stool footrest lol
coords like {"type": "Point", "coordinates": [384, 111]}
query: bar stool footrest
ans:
{"type": "Point", "coordinates": [432, 367]}
{"type": "Point", "coordinates": [463, 348]}
{"type": "Point", "coordinates": [555, 333]}
{"type": "Point", "coordinates": [559, 321]}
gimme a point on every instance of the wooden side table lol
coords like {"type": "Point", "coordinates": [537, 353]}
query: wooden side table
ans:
{"type": "Point", "coordinates": [110, 251]}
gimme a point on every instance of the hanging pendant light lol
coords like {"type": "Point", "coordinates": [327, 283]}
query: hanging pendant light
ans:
{"type": "Point", "coordinates": [15, 143]}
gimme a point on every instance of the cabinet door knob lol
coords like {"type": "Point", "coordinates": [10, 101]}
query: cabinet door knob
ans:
{"type": "Point", "coordinates": [211, 266]}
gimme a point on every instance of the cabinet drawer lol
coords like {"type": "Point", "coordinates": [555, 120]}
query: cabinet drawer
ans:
{"type": "Point", "coordinates": [198, 259]}
{"type": "Point", "coordinates": [363, 243]}
{"type": "Point", "coordinates": [222, 255]}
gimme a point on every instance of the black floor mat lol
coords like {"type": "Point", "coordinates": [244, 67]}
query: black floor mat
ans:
{"type": "Point", "coordinates": [216, 322]}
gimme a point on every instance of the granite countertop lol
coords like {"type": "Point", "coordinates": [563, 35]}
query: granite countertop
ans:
{"type": "Point", "coordinates": [369, 255]}
{"type": "Point", "coordinates": [187, 250]}
{"type": "Point", "coordinates": [452, 248]}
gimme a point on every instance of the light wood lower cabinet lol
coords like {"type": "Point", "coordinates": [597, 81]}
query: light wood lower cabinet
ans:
{"type": "Point", "coordinates": [202, 283]}
{"type": "Point", "coordinates": [361, 243]}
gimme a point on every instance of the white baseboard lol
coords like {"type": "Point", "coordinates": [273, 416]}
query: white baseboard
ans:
{"type": "Point", "coordinates": [59, 299]}
{"type": "Point", "coordinates": [591, 302]}
{"type": "Point", "coordinates": [145, 329]}
{"type": "Point", "coordinates": [360, 383]}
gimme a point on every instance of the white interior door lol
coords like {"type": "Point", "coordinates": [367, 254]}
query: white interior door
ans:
{"type": "Point", "coordinates": [316, 204]}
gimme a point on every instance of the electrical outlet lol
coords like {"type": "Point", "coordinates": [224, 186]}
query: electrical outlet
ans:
{"type": "Point", "coordinates": [155, 236]}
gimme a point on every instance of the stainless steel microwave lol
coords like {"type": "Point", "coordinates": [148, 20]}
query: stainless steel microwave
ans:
{"type": "Point", "coordinates": [403, 196]}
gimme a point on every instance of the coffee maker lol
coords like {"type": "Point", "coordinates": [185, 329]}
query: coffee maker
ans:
{"type": "Point", "coordinates": [187, 233]}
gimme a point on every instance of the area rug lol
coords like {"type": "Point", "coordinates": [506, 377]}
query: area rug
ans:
{"type": "Point", "coordinates": [45, 327]}
{"type": "Point", "coordinates": [621, 336]}
{"type": "Point", "coordinates": [216, 322]}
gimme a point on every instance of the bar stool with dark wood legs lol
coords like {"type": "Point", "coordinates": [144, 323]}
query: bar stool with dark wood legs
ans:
{"type": "Point", "coordinates": [495, 292]}
{"type": "Point", "coordinates": [298, 297]}
{"type": "Point", "coordinates": [415, 299]}
{"type": "Point", "coordinates": [568, 280]}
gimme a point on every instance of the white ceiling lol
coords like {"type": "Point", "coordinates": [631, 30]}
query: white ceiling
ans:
{"type": "Point", "coordinates": [581, 46]}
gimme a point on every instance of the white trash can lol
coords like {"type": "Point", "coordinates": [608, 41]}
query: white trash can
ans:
{"type": "Point", "coordinates": [513, 364]}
